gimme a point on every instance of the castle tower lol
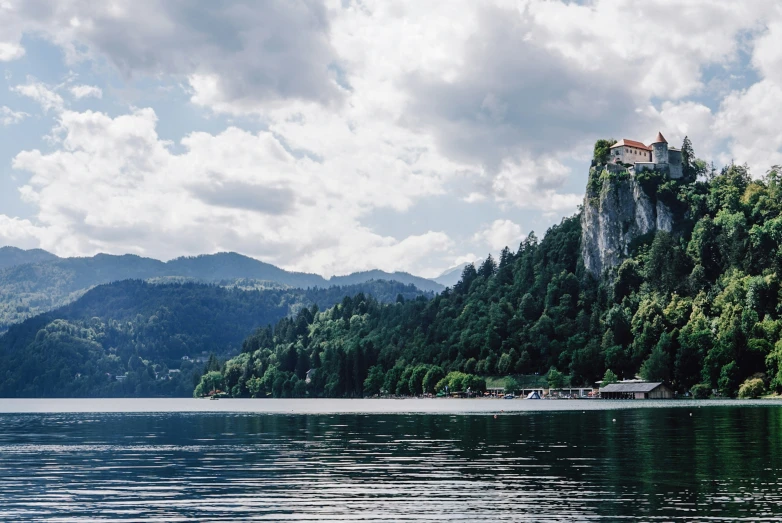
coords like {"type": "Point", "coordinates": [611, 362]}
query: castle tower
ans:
{"type": "Point", "coordinates": [660, 149]}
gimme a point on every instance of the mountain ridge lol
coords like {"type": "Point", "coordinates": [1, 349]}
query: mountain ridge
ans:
{"type": "Point", "coordinates": [11, 256]}
{"type": "Point", "coordinates": [47, 282]}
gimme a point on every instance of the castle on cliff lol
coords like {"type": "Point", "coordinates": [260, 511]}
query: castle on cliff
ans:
{"type": "Point", "coordinates": [654, 157]}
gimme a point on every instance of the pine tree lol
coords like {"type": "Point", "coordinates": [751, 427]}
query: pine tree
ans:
{"type": "Point", "coordinates": [688, 161]}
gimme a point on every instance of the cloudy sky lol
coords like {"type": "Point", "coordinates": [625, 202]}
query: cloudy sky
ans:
{"type": "Point", "coordinates": [341, 135]}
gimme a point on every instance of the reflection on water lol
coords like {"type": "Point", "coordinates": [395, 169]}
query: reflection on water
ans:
{"type": "Point", "coordinates": [722, 463]}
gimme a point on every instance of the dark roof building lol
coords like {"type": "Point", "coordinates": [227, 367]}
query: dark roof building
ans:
{"type": "Point", "coordinates": [638, 390]}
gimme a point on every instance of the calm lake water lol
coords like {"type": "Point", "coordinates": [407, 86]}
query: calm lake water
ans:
{"type": "Point", "coordinates": [403, 460]}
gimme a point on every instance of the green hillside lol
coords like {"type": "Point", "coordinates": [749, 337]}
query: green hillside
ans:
{"type": "Point", "coordinates": [156, 338]}
{"type": "Point", "coordinates": [698, 307]}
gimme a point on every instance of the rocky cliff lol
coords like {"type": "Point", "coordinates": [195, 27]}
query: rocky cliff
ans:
{"type": "Point", "coordinates": [615, 215]}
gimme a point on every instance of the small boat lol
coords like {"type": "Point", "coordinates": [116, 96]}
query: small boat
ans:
{"type": "Point", "coordinates": [509, 396]}
{"type": "Point", "coordinates": [214, 398]}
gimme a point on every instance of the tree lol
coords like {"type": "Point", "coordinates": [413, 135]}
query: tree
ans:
{"type": "Point", "coordinates": [416, 379]}
{"type": "Point", "coordinates": [695, 341]}
{"type": "Point", "coordinates": [688, 161]}
{"type": "Point", "coordinates": [254, 386]}
{"type": "Point", "coordinates": [468, 276]}
{"type": "Point", "coordinates": [555, 379]}
{"type": "Point", "coordinates": [403, 385]}
{"type": "Point", "coordinates": [728, 380]}
{"type": "Point", "coordinates": [374, 381]}
{"type": "Point", "coordinates": [700, 391]}
{"type": "Point", "coordinates": [666, 264]}
{"type": "Point", "coordinates": [609, 377]}
{"type": "Point", "coordinates": [657, 366]}
{"type": "Point", "coordinates": [504, 364]}
{"type": "Point", "coordinates": [628, 279]}
{"type": "Point", "coordinates": [488, 267]}
{"type": "Point", "coordinates": [751, 388]}
{"type": "Point", "coordinates": [602, 150]}
{"type": "Point", "coordinates": [432, 377]}
{"type": "Point", "coordinates": [213, 364]}
{"type": "Point", "coordinates": [476, 384]}
{"type": "Point", "coordinates": [210, 383]}
{"type": "Point", "coordinates": [392, 378]}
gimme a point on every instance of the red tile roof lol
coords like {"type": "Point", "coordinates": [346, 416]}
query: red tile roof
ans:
{"type": "Point", "coordinates": [631, 143]}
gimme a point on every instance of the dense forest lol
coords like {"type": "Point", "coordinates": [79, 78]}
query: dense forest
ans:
{"type": "Point", "coordinates": [35, 281]}
{"type": "Point", "coordinates": [134, 338]}
{"type": "Point", "coordinates": [698, 307]}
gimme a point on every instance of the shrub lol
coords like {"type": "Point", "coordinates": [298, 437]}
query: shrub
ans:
{"type": "Point", "coordinates": [701, 391]}
{"type": "Point", "coordinates": [594, 182]}
{"type": "Point", "coordinates": [752, 388]}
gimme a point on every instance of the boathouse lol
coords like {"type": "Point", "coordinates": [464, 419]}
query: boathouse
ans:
{"type": "Point", "coordinates": [636, 390]}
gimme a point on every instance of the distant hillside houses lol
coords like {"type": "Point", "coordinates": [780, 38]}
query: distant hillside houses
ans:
{"type": "Point", "coordinates": [657, 156]}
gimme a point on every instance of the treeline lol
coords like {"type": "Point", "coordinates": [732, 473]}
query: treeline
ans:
{"type": "Point", "coordinates": [699, 308]}
{"type": "Point", "coordinates": [129, 338]}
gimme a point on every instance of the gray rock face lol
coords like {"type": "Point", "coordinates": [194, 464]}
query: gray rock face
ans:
{"type": "Point", "coordinates": [612, 220]}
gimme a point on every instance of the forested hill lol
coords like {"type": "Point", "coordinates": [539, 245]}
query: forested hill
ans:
{"type": "Point", "coordinates": [141, 332]}
{"type": "Point", "coordinates": [698, 307]}
{"type": "Point", "coordinates": [32, 282]}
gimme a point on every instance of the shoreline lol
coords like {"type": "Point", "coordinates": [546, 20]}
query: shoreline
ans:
{"type": "Point", "coordinates": [324, 406]}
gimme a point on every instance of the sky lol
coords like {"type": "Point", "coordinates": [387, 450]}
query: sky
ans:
{"type": "Point", "coordinates": [343, 135]}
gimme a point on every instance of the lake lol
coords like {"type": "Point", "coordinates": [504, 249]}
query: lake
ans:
{"type": "Point", "coordinates": [389, 460]}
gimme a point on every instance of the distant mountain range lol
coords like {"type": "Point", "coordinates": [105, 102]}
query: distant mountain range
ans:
{"type": "Point", "coordinates": [36, 281]}
{"type": "Point", "coordinates": [10, 256]}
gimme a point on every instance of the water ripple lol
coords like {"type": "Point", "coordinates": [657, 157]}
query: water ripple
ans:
{"type": "Point", "coordinates": [656, 465]}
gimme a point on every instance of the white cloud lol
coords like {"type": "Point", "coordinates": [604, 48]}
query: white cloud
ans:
{"type": "Point", "coordinates": [9, 117]}
{"type": "Point", "coordinates": [10, 51]}
{"type": "Point", "coordinates": [475, 197]}
{"type": "Point", "coordinates": [767, 52]}
{"type": "Point", "coordinates": [21, 233]}
{"type": "Point", "coordinates": [750, 120]}
{"type": "Point", "coordinates": [252, 53]}
{"type": "Point", "coordinates": [112, 185]}
{"type": "Point", "coordinates": [86, 91]}
{"type": "Point", "coordinates": [500, 234]}
{"type": "Point", "coordinates": [10, 33]}
{"type": "Point", "coordinates": [532, 184]}
{"type": "Point", "coordinates": [376, 106]}
{"type": "Point", "coordinates": [40, 93]}
{"type": "Point", "coordinates": [659, 46]}
{"type": "Point", "coordinates": [679, 119]}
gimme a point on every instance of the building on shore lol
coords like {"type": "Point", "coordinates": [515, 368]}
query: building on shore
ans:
{"type": "Point", "coordinates": [636, 390]}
